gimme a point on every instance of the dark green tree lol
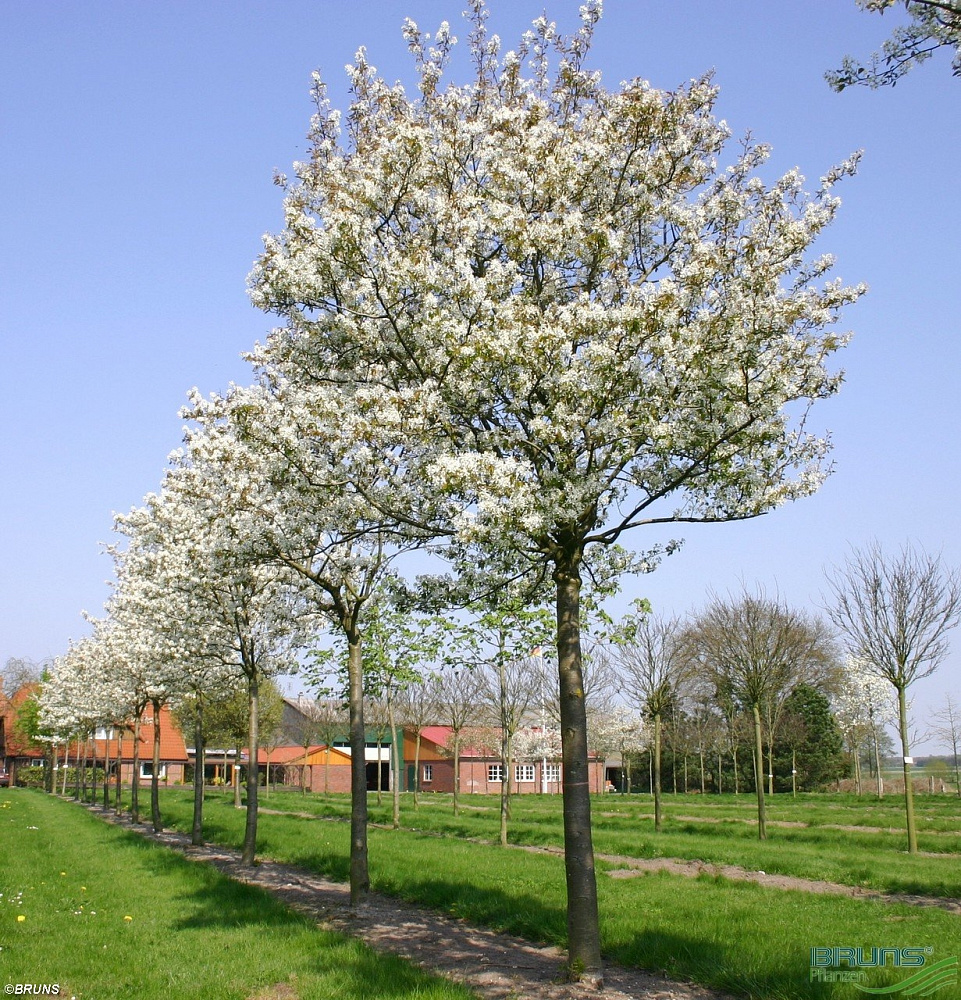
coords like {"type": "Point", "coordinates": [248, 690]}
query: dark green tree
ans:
{"type": "Point", "coordinates": [811, 742]}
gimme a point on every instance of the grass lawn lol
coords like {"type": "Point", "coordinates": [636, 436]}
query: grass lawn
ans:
{"type": "Point", "coordinates": [107, 915]}
{"type": "Point", "coordinates": [716, 830]}
{"type": "Point", "coordinates": [739, 937]}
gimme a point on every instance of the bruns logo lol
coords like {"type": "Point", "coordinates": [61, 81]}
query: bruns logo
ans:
{"type": "Point", "coordinates": [849, 965]}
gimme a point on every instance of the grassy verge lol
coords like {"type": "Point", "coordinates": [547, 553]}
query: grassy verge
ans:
{"type": "Point", "coordinates": [105, 914]}
{"type": "Point", "coordinates": [738, 937]}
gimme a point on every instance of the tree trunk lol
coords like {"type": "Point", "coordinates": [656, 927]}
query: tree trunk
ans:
{"type": "Point", "coordinates": [359, 873]}
{"type": "Point", "coordinates": [117, 785]}
{"type": "Point", "coordinates": [135, 777]}
{"type": "Point", "coordinates": [793, 773]}
{"type": "Point", "coordinates": [877, 765]}
{"type": "Point", "coordinates": [656, 774]}
{"type": "Point", "coordinates": [758, 775]}
{"type": "Point", "coordinates": [155, 777]}
{"type": "Point", "coordinates": [583, 929]}
{"type": "Point", "coordinates": [197, 829]}
{"type": "Point", "coordinates": [505, 745]}
{"type": "Point", "coordinates": [396, 765]}
{"type": "Point", "coordinates": [416, 767]}
{"type": "Point", "coordinates": [106, 771]}
{"type": "Point", "coordinates": [737, 784]}
{"type": "Point", "coordinates": [906, 763]}
{"type": "Point", "coordinates": [249, 851]}
{"type": "Point", "coordinates": [506, 752]}
{"type": "Point", "coordinates": [235, 777]}
{"type": "Point", "coordinates": [93, 771]}
{"type": "Point", "coordinates": [456, 767]}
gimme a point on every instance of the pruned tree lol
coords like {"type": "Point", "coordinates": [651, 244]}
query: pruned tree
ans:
{"type": "Point", "coordinates": [460, 689]}
{"type": "Point", "coordinates": [503, 640]}
{"type": "Point", "coordinates": [653, 667]}
{"type": "Point", "coordinates": [895, 613]}
{"type": "Point", "coordinates": [569, 319]}
{"type": "Point", "coordinates": [757, 649]}
{"type": "Point", "coordinates": [932, 25]}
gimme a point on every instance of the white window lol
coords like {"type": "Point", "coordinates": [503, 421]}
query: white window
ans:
{"type": "Point", "coordinates": [428, 772]}
{"type": "Point", "coordinates": [552, 772]}
{"type": "Point", "coordinates": [146, 770]}
{"type": "Point", "coordinates": [102, 733]}
{"type": "Point", "coordinates": [495, 772]}
{"type": "Point", "coordinates": [523, 772]}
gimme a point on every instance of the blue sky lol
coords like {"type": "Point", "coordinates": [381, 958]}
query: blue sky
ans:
{"type": "Point", "coordinates": [137, 147]}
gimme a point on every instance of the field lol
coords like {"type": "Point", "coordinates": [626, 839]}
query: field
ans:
{"type": "Point", "coordinates": [738, 936]}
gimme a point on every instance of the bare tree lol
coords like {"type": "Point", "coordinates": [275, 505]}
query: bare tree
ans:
{"type": "Point", "coordinates": [948, 729]}
{"type": "Point", "coordinates": [653, 669]}
{"type": "Point", "coordinates": [757, 649]}
{"type": "Point", "coordinates": [895, 614]}
{"type": "Point", "coordinates": [19, 672]}
{"type": "Point", "coordinates": [459, 691]}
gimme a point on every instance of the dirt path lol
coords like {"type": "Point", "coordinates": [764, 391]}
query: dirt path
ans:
{"type": "Point", "coordinates": [636, 866]}
{"type": "Point", "coordinates": [495, 966]}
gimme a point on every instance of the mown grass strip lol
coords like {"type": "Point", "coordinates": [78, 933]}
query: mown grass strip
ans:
{"type": "Point", "coordinates": [105, 914]}
{"type": "Point", "coordinates": [738, 937]}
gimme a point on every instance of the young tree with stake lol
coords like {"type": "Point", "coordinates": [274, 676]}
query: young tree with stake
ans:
{"type": "Point", "coordinates": [895, 613]}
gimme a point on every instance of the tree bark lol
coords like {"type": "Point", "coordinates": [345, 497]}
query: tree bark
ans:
{"type": "Point", "coordinates": [656, 775]}
{"type": "Point", "coordinates": [396, 765]}
{"type": "Point", "coordinates": [758, 774]}
{"type": "Point", "coordinates": [249, 852]}
{"type": "Point", "coordinates": [583, 929]}
{"type": "Point", "coordinates": [155, 777]}
{"type": "Point", "coordinates": [119, 781]}
{"type": "Point", "coordinates": [359, 872]}
{"type": "Point", "coordinates": [197, 830]}
{"type": "Point", "coordinates": [877, 766]}
{"type": "Point", "coordinates": [905, 758]}
{"type": "Point", "coordinates": [106, 770]}
{"type": "Point", "coordinates": [456, 767]}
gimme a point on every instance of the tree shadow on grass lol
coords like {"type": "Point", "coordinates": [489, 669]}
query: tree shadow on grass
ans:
{"type": "Point", "coordinates": [509, 912]}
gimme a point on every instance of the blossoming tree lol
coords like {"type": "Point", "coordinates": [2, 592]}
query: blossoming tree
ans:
{"type": "Point", "coordinates": [570, 316]}
{"type": "Point", "coordinates": [189, 587]}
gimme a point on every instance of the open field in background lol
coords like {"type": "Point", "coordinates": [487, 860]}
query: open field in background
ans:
{"type": "Point", "coordinates": [739, 937]}
{"type": "Point", "coordinates": [108, 915]}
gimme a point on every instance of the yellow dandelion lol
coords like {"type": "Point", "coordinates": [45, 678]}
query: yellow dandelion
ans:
{"type": "Point", "coordinates": [20, 918]}
{"type": "Point", "coordinates": [128, 917]}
